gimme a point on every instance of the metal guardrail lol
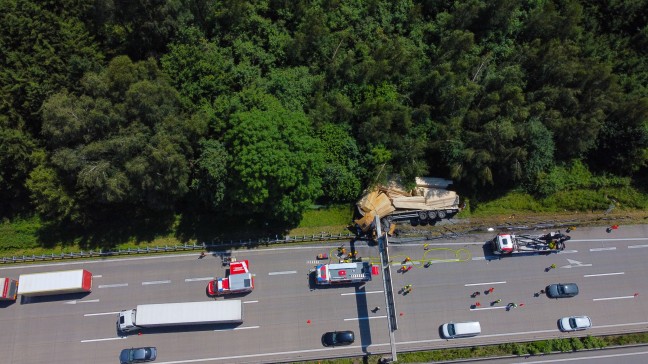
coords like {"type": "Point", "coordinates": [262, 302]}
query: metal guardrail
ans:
{"type": "Point", "coordinates": [449, 234]}
{"type": "Point", "coordinates": [216, 246]}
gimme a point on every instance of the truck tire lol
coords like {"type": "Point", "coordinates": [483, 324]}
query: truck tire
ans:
{"type": "Point", "coordinates": [432, 215]}
{"type": "Point", "coordinates": [441, 214]}
{"type": "Point", "coordinates": [423, 215]}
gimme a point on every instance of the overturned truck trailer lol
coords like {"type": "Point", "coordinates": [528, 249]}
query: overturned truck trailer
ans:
{"type": "Point", "coordinates": [428, 201]}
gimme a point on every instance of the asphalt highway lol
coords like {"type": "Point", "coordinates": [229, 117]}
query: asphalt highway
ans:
{"type": "Point", "coordinates": [285, 316]}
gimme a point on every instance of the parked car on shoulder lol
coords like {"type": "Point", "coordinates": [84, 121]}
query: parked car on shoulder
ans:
{"type": "Point", "coordinates": [575, 323]}
{"type": "Point", "coordinates": [137, 355]}
{"type": "Point", "coordinates": [562, 290]}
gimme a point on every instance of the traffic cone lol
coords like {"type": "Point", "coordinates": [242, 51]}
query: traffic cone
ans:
{"type": "Point", "coordinates": [636, 294]}
{"type": "Point", "coordinates": [402, 314]}
{"type": "Point", "coordinates": [308, 322]}
{"type": "Point", "coordinates": [477, 304]}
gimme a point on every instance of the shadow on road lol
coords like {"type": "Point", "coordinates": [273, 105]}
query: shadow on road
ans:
{"type": "Point", "coordinates": [53, 298]}
{"type": "Point", "coordinates": [363, 317]}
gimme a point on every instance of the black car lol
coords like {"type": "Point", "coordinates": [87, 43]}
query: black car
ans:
{"type": "Point", "coordinates": [137, 355]}
{"type": "Point", "coordinates": [562, 290]}
{"type": "Point", "coordinates": [337, 338]}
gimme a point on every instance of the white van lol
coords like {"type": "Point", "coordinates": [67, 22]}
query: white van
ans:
{"type": "Point", "coordinates": [460, 329]}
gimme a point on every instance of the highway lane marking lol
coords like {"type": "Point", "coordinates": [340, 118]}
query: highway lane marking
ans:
{"type": "Point", "coordinates": [101, 314]}
{"type": "Point", "coordinates": [487, 308]}
{"type": "Point", "coordinates": [602, 249]}
{"type": "Point", "coordinates": [587, 357]}
{"type": "Point", "coordinates": [97, 276]}
{"type": "Point", "coordinates": [618, 239]}
{"type": "Point", "coordinates": [364, 318]}
{"type": "Point", "coordinates": [637, 246]}
{"type": "Point", "coordinates": [284, 272]}
{"type": "Point", "coordinates": [619, 325]}
{"type": "Point", "coordinates": [199, 279]}
{"type": "Point", "coordinates": [75, 302]}
{"type": "Point", "coordinates": [612, 298]}
{"type": "Point", "coordinates": [483, 284]}
{"type": "Point", "coordinates": [604, 274]}
{"type": "Point", "coordinates": [567, 252]}
{"type": "Point", "coordinates": [239, 328]}
{"type": "Point", "coordinates": [575, 263]}
{"type": "Point", "coordinates": [250, 301]}
{"type": "Point", "coordinates": [106, 339]}
{"type": "Point", "coordinates": [113, 285]}
{"type": "Point", "coordinates": [354, 293]}
{"type": "Point", "coordinates": [155, 282]}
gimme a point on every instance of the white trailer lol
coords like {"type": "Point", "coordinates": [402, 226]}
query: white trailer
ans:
{"type": "Point", "coordinates": [62, 282]}
{"type": "Point", "coordinates": [180, 314]}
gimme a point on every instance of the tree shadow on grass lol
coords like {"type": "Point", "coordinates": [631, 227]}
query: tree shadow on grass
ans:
{"type": "Point", "coordinates": [106, 233]}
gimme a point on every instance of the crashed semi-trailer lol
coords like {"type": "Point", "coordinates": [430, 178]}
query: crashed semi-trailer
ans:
{"type": "Point", "coordinates": [429, 200]}
{"type": "Point", "coordinates": [180, 314]}
{"type": "Point", "coordinates": [51, 283]}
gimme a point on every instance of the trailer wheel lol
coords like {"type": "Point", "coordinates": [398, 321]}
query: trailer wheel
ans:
{"type": "Point", "coordinates": [432, 215]}
{"type": "Point", "coordinates": [441, 214]}
{"type": "Point", "coordinates": [422, 215]}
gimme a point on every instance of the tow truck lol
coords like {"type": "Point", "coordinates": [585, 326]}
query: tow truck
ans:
{"type": "Point", "coordinates": [507, 244]}
{"type": "Point", "coordinates": [239, 280]}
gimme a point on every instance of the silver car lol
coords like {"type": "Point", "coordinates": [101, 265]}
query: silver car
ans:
{"type": "Point", "coordinates": [575, 323]}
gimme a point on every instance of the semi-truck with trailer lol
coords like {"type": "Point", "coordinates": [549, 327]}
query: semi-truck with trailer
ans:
{"type": "Point", "coordinates": [239, 280]}
{"type": "Point", "coordinates": [51, 283]}
{"type": "Point", "coordinates": [508, 244]}
{"type": "Point", "coordinates": [343, 273]}
{"type": "Point", "coordinates": [8, 289]}
{"type": "Point", "coordinates": [180, 314]}
{"type": "Point", "coordinates": [428, 201]}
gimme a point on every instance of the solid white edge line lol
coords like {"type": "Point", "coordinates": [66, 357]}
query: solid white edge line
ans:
{"type": "Point", "coordinates": [483, 284]}
{"type": "Point", "coordinates": [603, 274]}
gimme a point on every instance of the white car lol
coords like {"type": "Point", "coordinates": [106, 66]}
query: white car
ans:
{"type": "Point", "coordinates": [575, 323]}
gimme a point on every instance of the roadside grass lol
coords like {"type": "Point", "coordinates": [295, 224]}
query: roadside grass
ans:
{"type": "Point", "coordinates": [539, 347]}
{"type": "Point", "coordinates": [27, 236]}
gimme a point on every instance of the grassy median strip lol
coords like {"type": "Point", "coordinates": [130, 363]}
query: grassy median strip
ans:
{"type": "Point", "coordinates": [502, 350]}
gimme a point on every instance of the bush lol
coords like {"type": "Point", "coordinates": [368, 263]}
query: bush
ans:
{"type": "Point", "coordinates": [562, 345]}
{"type": "Point", "coordinates": [592, 342]}
{"type": "Point", "coordinates": [577, 344]}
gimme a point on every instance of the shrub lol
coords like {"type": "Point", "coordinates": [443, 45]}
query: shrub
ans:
{"type": "Point", "coordinates": [577, 344]}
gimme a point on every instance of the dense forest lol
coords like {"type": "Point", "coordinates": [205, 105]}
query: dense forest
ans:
{"type": "Point", "coordinates": [146, 109]}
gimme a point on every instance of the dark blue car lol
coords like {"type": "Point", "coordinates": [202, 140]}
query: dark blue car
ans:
{"type": "Point", "coordinates": [562, 290]}
{"type": "Point", "coordinates": [137, 355]}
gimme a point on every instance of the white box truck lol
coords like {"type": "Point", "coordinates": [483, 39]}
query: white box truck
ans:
{"type": "Point", "coordinates": [179, 314]}
{"type": "Point", "coordinates": [42, 284]}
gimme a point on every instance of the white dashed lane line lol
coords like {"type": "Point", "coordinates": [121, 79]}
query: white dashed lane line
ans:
{"type": "Point", "coordinates": [155, 282]}
{"type": "Point", "coordinates": [602, 249]}
{"type": "Point", "coordinates": [113, 285]}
